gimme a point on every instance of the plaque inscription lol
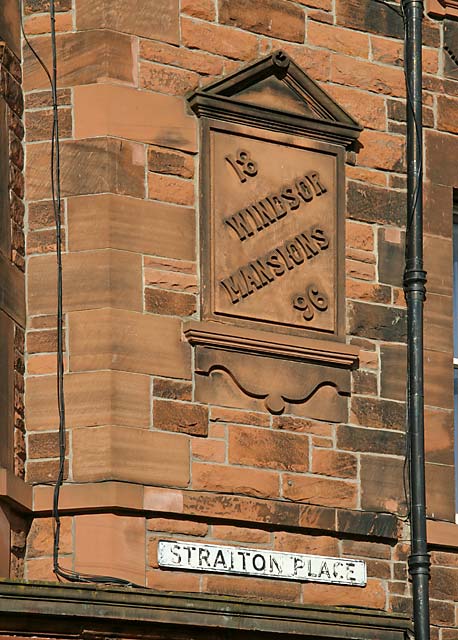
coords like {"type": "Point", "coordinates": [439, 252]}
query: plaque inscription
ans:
{"type": "Point", "coordinates": [271, 223]}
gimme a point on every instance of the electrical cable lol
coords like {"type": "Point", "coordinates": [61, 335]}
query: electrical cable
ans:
{"type": "Point", "coordinates": [61, 572]}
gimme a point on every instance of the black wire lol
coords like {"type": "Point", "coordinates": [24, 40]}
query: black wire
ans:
{"type": "Point", "coordinates": [61, 573]}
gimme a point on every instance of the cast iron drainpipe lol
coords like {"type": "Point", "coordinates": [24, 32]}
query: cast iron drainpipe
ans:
{"type": "Point", "coordinates": [414, 290]}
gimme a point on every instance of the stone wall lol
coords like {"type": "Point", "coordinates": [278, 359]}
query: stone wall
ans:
{"type": "Point", "coordinates": [144, 460]}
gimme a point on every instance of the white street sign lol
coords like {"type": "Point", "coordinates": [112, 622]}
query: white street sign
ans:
{"type": "Point", "coordinates": [259, 562]}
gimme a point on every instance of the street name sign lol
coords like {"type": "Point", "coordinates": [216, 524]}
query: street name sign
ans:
{"type": "Point", "coordinates": [194, 556]}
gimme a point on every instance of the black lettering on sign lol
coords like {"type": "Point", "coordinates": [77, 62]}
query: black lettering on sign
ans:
{"type": "Point", "coordinates": [259, 215]}
{"type": "Point", "coordinates": [262, 271]}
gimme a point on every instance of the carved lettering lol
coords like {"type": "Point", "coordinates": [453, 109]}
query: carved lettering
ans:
{"type": "Point", "coordinates": [291, 254]}
{"type": "Point", "coordinates": [275, 206]}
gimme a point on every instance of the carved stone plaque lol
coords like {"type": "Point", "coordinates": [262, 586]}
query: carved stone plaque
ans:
{"type": "Point", "coordinates": [272, 230]}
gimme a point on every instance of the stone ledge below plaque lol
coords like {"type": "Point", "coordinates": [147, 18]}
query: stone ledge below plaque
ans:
{"type": "Point", "coordinates": [258, 370]}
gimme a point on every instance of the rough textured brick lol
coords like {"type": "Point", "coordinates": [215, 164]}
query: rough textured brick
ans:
{"type": "Point", "coordinates": [172, 389]}
{"type": "Point", "coordinates": [158, 20]}
{"type": "Point", "coordinates": [299, 543]}
{"type": "Point", "coordinates": [157, 77]}
{"type": "Point", "coordinates": [382, 151]}
{"type": "Point", "coordinates": [367, 291]}
{"type": "Point", "coordinates": [320, 491]}
{"type": "Point", "coordinates": [373, 204]}
{"type": "Point", "coordinates": [377, 413]}
{"type": "Point", "coordinates": [377, 322]}
{"type": "Point", "coordinates": [391, 251]}
{"type": "Point", "coordinates": [372, 596]}
{"type": "Point", "coordinates": [382, 484]}
{"type": "Point", "coordinates": [81, 161]}
{"type": "Point", "coordinates": [334, 463]}
{"type": "Point", "coordinates": [180, 417]}
{"type": "Point", "coordinates": [173, 162]}
{"type": "Point", "coordinates": [370, 440]}
{"type": "Point", "coordinates": [240, 534]}
{"type": "Point", "coordinates": [365, 75]}
{"type": "Point", "coordinates": [169, 302]}
{"type": "Point", "coordinates": [337, 39]}
{"type": "Point", "coordinates": [257, 588]}
{"type": "Point", "coordinates": [40, 537]}
{"type": "Point", "coordinates": [232, 479]}
{"type": "Point", "coordinates": [170, 189]}
{"type": "Point", "coordinates": [203, 9]}
{"type": "Point", "coordinates": [185, 527]}
{"type": "Point", "coordinates": [218, 39]}
{"type": "Point", "coordinates": [271, 18]}
{"type": "Point", "coordinates": [84, 58]}
{"type": "Point", "coordinates": [203, 63]}
{"type": "Point", "coordinates": [261, 448]}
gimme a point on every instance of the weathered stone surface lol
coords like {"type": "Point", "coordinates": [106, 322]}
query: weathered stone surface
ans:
{"type": "Point", "coordinates": [136, 115]}
{"type": "Point", "coordinates": [128, 341]}
{"type": "Point", "coordinates": [438, 264]}
{"type": "Point", "coordinates": [437, 147]}
{"type": "Point", "coordinates": [12, 291]}
{"type": "Point", "coordinates": [218, 39]}
{"type": "Point", "coordinates": [374, 204]}
{"type": "Point", "coordinates": [370, 440]}
{"type": "Point", "coordinates": [113, 545]}
{"type": "Point", "coordinates": [382, 484]}
{"type": "Point", "coordinates": [378, 413]}
{"type": "Point", "coordinates": [262, 448]}
{"type": "Point", "coordinates": [96, 165]}
{"type": "Point", "coordinates": [169, 302]}
{"type": "Point", "coordinates": [130, 455]}
{"type": "Point", "coordinates": [440, 504]}
{"type": "Point", "coordinates": [132, 224]}
{"type": "Point", "coordinates": [10, 25]}
{"type": "Point", "coordinates": [172, 389]}
{"type": "Point", "coordinates": [84, 57]}
{"type": "Point", "coordinates": [320, 491]}
{"type": "Point", "coordinates": [379, 525]}
{"type": "Point", "coordinates": [158, 19]}
{"type": "Point", "coordinates": [391, 256]}
{"type": "Point", "coordinates": [91, 280]}
{"type": "Point", "coordinates": [180, 417]}
{"type": "Point", "coordinates": [169, 161]}
{"type": "Point", "coordinates": [438, 331]}
{"type": "Point", "coordinates": [229, 479]}
{"type": "Point", "coordinates": [275, 18]}
{"type": "Point", "coordinates": [438, 202]}
{"type": "Point", "coordinates": [6, 389]}
{"type": "Point", "coordinates": [93, 399]}
{"type": "Point", "coordinates": [376, 321]}
{"type": "Point", "coordinates": [439, 436]}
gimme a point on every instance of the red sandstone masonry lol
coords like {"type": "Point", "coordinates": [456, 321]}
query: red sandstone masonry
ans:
{"type": "Point", "coordinates": [237, 476]}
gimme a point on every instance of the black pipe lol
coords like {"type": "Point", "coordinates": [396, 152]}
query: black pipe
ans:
{"type": "Point", "coordinates": [415, 293]}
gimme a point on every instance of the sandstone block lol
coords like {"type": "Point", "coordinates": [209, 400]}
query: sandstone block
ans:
{"type": "Point", "coordinates": [158, 20]}
{"type": "Point", "coordinates": [180, 417]}
{"type": "Point", "coordinates": [369, 203]}
{"type": "Point", "coordinates": [95, 165]}
{"type": "Point", "coordinates": [348, 71]}
{"type": "Point", "coordinates": [219, 39]}
{"type": "Point", "coordinates": [124, 112]}
{"type": "Point", "coordinates": [334, 463]}
{"type": "Point", "coordinates": [382, 484]}
{"type": "Point", "coordinates": [162, 160]}
{"type": "Point", "coordinates": [91, 280]}
{"type": "Point", "coordinates": [271, 449]}
{"type": "Point", "coordinates": [338, 39]}
{"type": "Point", "coordinates": [235, 480]}
{"type": "Point", "coordinates": [320, 491]}
{"type": "Point", "coordinates": [132, 224]}
{"type": "Point", "coordinates": [93, 399]}
{"type": "Point", "coordinates": [130, 455]}
{"type": "Point", "coordinates": [203, 9]}
{"type": "Point", "coordinates": [85, 57]}
{"type": "Point", "coordinates": [170, 80]}
{"type": "Point", "coordinates": [113, 545]}
{"type": "Point", "coordinates": [129, 341]}
{"type": "Point", "coordinates": [40, 537]}
{"type": "Point", "coordinates": [274, 18]}
{"type": "Point", "coordinates": [169, 302]}
{"type": "Point", "coordinates": [382, 151]}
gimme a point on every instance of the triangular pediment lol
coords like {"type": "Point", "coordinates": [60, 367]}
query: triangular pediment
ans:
{"type": "Point", "coordinates": [275, 93]}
